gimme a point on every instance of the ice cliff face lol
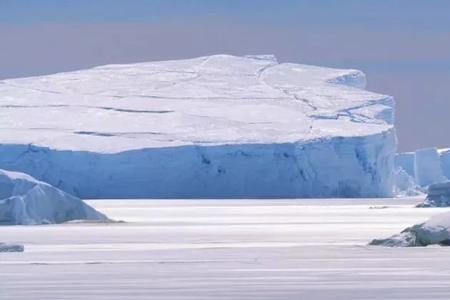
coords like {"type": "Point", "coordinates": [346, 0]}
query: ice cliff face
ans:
{"type": "Point", "coordinates": [217, 126]}
{"type": "Point", "coordinates": [27, 201]}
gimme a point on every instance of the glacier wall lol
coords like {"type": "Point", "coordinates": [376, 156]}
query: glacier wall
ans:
{"type": "Point", "coordinates": [334, 167]}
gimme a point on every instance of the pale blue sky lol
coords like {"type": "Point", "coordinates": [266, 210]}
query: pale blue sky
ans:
{"type": "Point", "coordinates": [402, 45]}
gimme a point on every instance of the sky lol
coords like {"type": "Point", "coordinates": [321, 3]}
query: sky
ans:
{"type": "Point", "coordinates": [403, 46]}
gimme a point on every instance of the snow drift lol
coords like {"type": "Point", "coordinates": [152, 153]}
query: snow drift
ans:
{"type": "Point", "coordinates": [435, 231]}
{"type": "Point", "coordinates": [26, 201]}
{"type": "Point", "coordinates": [210, 127]}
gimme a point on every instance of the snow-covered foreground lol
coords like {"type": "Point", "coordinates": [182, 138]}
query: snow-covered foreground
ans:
{"type": "Point", "coordinates": [227, 249]}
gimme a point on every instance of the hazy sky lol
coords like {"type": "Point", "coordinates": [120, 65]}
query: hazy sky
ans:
{"type": "Point", "coordinates": [402, 45]}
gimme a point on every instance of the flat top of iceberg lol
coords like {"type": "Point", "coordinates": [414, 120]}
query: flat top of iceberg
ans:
{"type": "Point", "coordinates": [212, 100]}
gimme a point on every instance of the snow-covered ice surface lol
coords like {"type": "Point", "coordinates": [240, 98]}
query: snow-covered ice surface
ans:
{"type": "Point", "coordinates": [228, 249]}
{"type": "Point", "coordinates": [211, 127]}
{"type": "Point", "coordinates": [27, 201]}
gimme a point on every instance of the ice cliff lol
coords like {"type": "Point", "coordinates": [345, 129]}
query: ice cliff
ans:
{"type": "Point", "coordinates": [211, 127]}
{"type": "Point", "coordinates": [27, 201]}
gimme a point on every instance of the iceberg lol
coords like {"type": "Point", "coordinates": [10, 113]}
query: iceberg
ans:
{"type": "Point", "coordinates": [27, 201]}
{"type": "Point", "coordinates": [219, 126]}
{"type": "Point", "coordinates": [435, 231]}
{"type": "Point", "coordinates": [427, 167]}
{"type": "Point", "coordinates": [438, 195]}
{"type": "Point", "coordinates": [424, 167]}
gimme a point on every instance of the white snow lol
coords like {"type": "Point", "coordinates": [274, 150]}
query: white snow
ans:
{"type": "Point", "coordinates": [222, 249]}
{"type": "Point", "coordinates": [25, 201]}
{"type": "Point", "coordinates": [216, 126]}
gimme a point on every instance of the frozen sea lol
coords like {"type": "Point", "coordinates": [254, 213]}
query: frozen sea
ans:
{"type": "Point", "coordinates": [227, 249]}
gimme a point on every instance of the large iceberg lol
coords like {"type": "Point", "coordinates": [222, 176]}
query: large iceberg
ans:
{"type": "Point", "coordinates": [211, 127]}
{"type": "Point", "coordinates": [27, 201]}
{"type": "Point", "coordinates": [435, 231]}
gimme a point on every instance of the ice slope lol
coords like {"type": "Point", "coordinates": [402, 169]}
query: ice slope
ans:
{"type": "Point", "coordinates": [435, 231]}
{"type": "Point", "coordinates": [26, 201]}
{"type": "Point", "coordinates": [211, 127]}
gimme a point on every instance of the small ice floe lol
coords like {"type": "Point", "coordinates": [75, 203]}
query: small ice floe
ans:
{"type": "Point", "coordinates": [4, 247]}
{"type": "Point", "coordinates": [27, 201]}
{"type": "Point", "coordinates": [435, 231]}
{"type": "Point", "coordinates": [438, 195]}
